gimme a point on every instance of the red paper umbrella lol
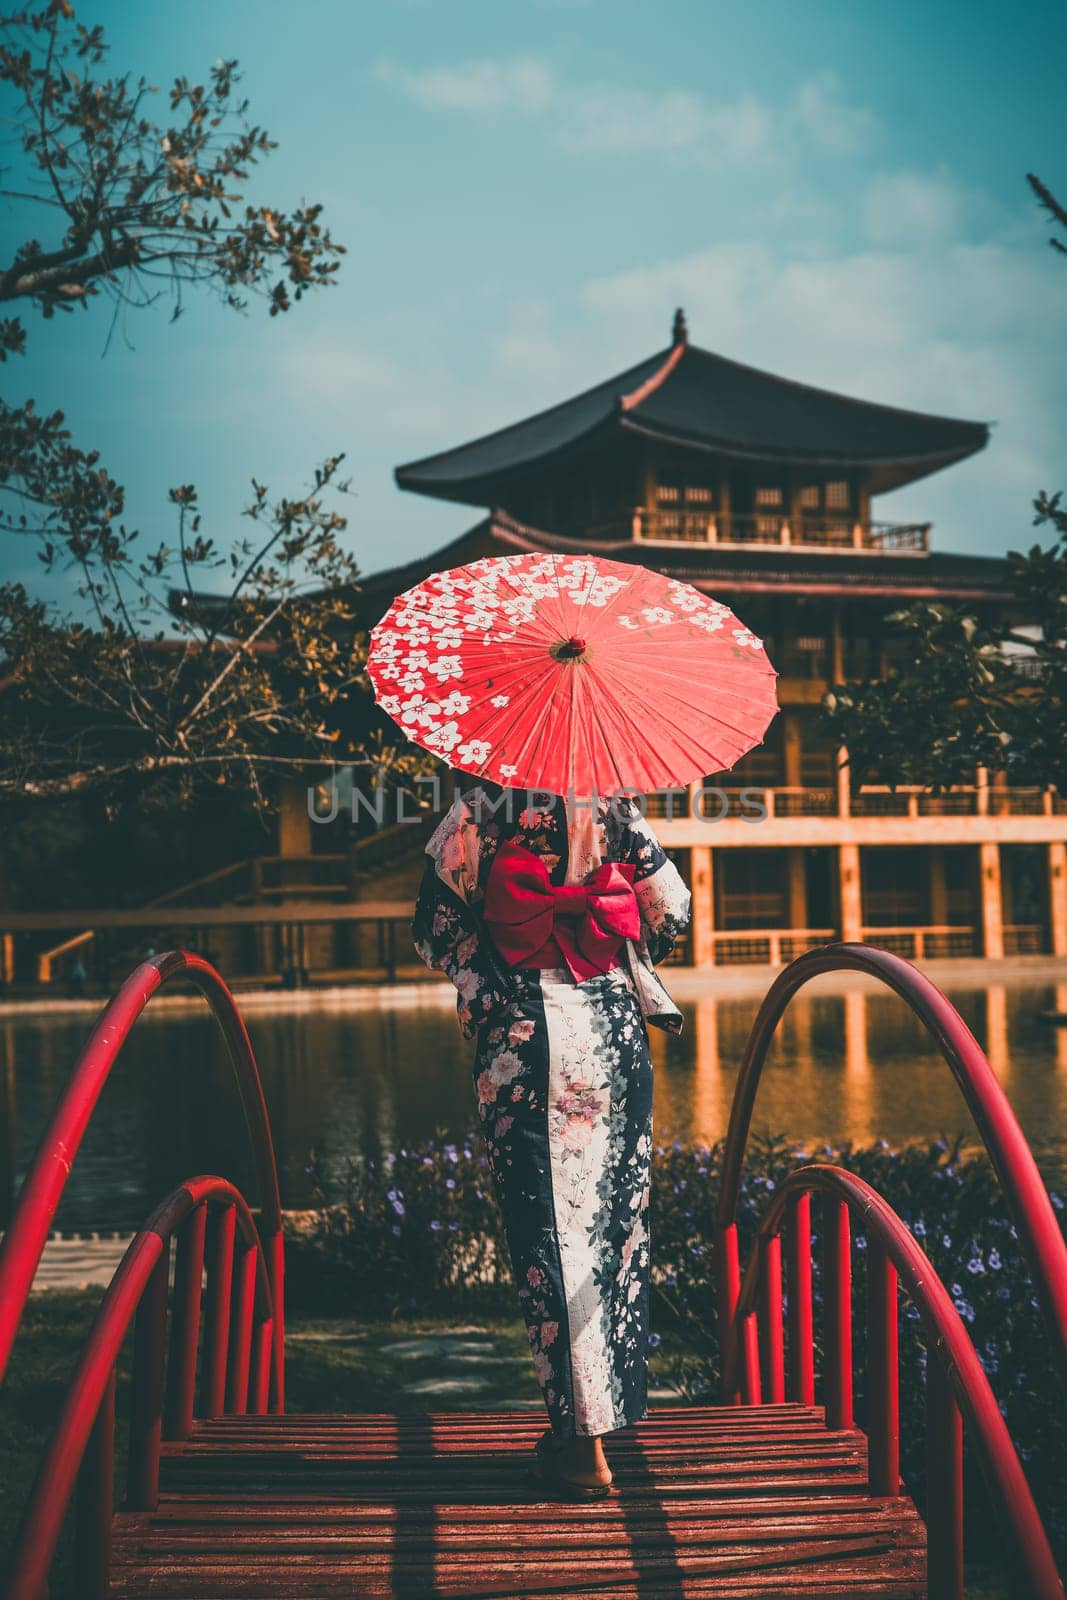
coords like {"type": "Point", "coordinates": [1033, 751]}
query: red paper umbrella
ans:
{"type": "Point", "coordinates": [571, 674]}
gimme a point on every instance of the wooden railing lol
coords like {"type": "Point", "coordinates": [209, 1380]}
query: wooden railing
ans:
{"type": "Point", "coordinates": [688, 525]}
{"type": "Point", "coordinates": [738, 799]}
{"type": "Point", "coordinates": [257, 880]}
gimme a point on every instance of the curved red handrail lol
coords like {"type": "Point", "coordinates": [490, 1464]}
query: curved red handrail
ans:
{"type": "Point", "coordinates": [948, 1339]}
{"type": "Point", "coordinates": [25, 1239]}
{"type": "Point", "coordinates": [47, 1507]}
{"type": "Point", "coordinates": [1013, 1160]}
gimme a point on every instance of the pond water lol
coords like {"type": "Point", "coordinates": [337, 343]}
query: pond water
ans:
{"type": "Point", "coordinates": [344, 1080]}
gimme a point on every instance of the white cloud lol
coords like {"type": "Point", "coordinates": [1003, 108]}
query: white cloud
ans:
{"type": "Point", "coordinates": [956, 327]}
{"type": "Point", "coordinates": [614, 118]}
{"type": "Point", "coordinates": [913, 206]}
{"type": "Point", "coordinates": [830, 123]}
{"type": "Point", "coordinates": [675, 121]}
{"type": "Point", "coordinates": [524, 84]}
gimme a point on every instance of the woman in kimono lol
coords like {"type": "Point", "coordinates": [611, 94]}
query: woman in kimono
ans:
{"type": "Point", "coordinates": [548, 926]}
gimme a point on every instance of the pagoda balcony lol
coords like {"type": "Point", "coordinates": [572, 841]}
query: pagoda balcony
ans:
{"type": "Point", "coordinates": [828, 532]}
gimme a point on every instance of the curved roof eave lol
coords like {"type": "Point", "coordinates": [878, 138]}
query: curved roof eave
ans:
{"type": "Point", "coordinates": [727, 447]}
{"type": "Point", "coordinates": [479, 491]}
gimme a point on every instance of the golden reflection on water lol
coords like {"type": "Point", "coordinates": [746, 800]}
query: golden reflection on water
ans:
{"type": "Point", "coordinates": [858, 1065]}
{"type": "Point", "coordinates": [846, 1063]}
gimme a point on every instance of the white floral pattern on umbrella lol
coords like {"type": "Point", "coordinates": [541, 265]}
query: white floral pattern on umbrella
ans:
{"type": "Point", "coordinates": [572, 673]}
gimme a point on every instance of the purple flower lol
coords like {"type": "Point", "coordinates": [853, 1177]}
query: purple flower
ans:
{"type": "Point", "coordinates": [435, 1226]}
{"type": "Point", "coordinates": [654, 1341]}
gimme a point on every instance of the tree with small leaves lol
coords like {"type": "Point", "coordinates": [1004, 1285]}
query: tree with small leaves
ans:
{"type": "Point", "coordinates": [138, 689]}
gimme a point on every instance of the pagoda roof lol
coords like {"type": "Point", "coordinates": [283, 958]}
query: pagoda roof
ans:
{"type": "Point", "coordinates": [689, 397]}
{"type": "Point", "coordinates": [716, 569]}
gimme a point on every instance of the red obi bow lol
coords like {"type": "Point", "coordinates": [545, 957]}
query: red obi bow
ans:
{"type": "Point", "coordinates": [588, 921]}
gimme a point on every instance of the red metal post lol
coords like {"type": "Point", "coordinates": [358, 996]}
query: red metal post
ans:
{"type": "Point", "coordinates": [95, 1503]}
{"type": "Point", "coordinates": [217, 1312]}
{"type": "Point", "coordinates": [727, 1290]}
{"type": "Point", "coordinates": [146, 1421]}
{"type": "Point", "coordinates": [185, 1330]}
{"type": "Point", "coordinates": [944, 1488]}
{"type": "Point", "coordinates": [883, 1373]}
{"type": "Point", "coordinates": [801, 1321]}
{"type": "Point", "coordinates": [244, 1305]}
{"type": "Point", "coordinates": [274, 1253]}
{"type": "Point", "coordinates": [837, 1305]}
{"type": "Point", "coordinates": [751, 1390]}
{"type": "Point", "coordinates": [770, 1320]}
{"type": "Point", "coordinates": [262, 1347]}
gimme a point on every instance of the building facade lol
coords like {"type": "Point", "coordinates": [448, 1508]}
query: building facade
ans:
{"type": "Point", "coordinates": [760, 491]}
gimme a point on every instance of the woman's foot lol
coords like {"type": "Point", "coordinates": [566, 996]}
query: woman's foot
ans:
{"type": "Point", "coordinates": [579, 1461]}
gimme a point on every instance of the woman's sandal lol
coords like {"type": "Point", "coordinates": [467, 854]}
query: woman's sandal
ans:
{"type": "Point", "coordinates": [565, 1488]}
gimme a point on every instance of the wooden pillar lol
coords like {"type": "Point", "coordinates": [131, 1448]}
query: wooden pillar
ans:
{"type": "Point", "coordinates": [791, 750]}
{"type": "Point", "coordinates": [702, 886]}
{"type": "Point", "coordinates": [938, 894]}
{"type": "Point", "coordinates": [294, 823]}
{"type": "Point", "coordinates": [1057, 896]}
{"type": "Point", "coordinates": [837, 647]}
{"type": "Point", "coordinates": [798, 888]}
{"type": "Point", "coordinates": [850, 891]}
{"type": "Point", "coordinates": [844, 792]}
{"type": "Point", "coordinates": [992, 914]}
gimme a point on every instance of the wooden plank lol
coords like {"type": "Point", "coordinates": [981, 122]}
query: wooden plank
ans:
{"type": "Point", "coordinates": [708, 1501]}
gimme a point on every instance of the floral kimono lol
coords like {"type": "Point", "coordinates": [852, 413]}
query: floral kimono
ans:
{"type": "Point", "coordinates": [549, 930]}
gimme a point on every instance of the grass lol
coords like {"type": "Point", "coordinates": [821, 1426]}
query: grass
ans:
{"type": "Point", "coordinates": [332, 1364]}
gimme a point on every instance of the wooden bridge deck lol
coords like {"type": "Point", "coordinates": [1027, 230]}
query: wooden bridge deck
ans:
{"type": "Point", "coordinates": [709, 1501]}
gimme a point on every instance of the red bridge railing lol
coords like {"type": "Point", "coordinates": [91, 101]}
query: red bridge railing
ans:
{"type": "Point", "coordinates": [957, 1389]}
{"type": "Point", "coordinates": [1027, 1198]}
{"type": "Point", "coordinates": [765, 1321]}
{"type": "Point", "coordinates": [40, 1194]}
{"type": "Point", "coordinates": [235, 1352]}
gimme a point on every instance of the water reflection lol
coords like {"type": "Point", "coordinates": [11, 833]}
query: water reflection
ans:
{"type": "Point", "coordinates": [846, 1064]}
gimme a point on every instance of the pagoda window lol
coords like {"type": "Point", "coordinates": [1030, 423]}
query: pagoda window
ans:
{"type": "Point", "coordinates": [684, 508]}
{"type": "Point", "coordinates": [825, 515]}
{"type": "Point", "coordinates": [769, 502]}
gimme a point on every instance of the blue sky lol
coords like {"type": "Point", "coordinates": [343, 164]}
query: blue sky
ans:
{"type": "Point", "coordinates": [834, 191]}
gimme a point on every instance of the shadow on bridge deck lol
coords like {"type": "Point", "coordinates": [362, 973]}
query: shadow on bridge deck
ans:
{"type": "Point", "coordinates": [708, 1501]}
